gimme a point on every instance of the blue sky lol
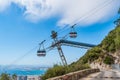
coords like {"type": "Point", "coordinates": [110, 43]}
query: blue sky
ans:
{"type": "Point", "coordinates": [25, 23]}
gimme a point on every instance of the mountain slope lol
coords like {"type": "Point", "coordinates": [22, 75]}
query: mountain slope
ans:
{"type": "Point", "coordinates": [106, 53]}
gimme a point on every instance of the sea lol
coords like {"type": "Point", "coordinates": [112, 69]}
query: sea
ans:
{"type": "Point", "coordinates": [23, 70]}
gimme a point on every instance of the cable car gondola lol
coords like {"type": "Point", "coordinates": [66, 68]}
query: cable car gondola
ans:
{"type": "Point", "coordinates": [73, 33]}
{"type": "Point", "coordinates": [41, 52]}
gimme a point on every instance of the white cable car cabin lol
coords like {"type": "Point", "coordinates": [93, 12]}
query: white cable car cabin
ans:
{"type": "Point", "coordinates": [41, 53]}
{"type": "Point", "coordinates": [73, 34]}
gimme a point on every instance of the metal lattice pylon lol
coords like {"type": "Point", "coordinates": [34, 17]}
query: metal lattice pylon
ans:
{"type": "Point", "coordinates": [54, 37]}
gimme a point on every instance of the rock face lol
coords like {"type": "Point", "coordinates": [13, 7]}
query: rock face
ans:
{"type": "Point", "coordinates": [117, 57]}
{"type": "Point", "coordinates": [103, 66]}
{"type": "Point", "coordinates": [100, 66]}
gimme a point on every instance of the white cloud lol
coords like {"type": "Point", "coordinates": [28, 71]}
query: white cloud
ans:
{"type": "Point", "coordinates": [4, 4]}
{"type": "Point", "coordinates": [88, 12]}
{"type": "Point", "coordinates": [39, 9]}
{"type": "Point", "coordinates": [84, 11]}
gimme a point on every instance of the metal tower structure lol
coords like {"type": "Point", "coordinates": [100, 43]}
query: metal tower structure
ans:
{"type": "Point", "coordinates": [54, 37]}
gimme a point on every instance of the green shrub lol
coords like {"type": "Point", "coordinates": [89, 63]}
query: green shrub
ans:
{"type": "Point", "coordinates": [108, 60]}
{"type": "Point", "coordinates": [57, 70]}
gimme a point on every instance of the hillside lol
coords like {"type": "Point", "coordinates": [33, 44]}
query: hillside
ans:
{"type": "Point", "coordinates": [105, 54]}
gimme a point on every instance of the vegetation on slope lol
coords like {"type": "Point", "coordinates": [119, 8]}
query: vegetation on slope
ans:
{"type": "Point", "coordinates": [109, 45]}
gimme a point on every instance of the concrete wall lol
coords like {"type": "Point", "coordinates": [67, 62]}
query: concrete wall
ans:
{"type": "Point", "coordinates": [75, 75]}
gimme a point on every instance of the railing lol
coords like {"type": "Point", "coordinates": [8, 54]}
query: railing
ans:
{"type": "Point", "coordinates": [75, 75]}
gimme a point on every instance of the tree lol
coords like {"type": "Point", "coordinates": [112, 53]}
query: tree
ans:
{"type": "Point", "coordinates": [108, 60]}
{"type": "Point", "coordinates": [119, 11]}
{"type": "Point", "coordinates": [4, 77]}
{"type": "Point", "coordinates": [117, 22]}
{"type": "Point", "coordinates": [14, 77]}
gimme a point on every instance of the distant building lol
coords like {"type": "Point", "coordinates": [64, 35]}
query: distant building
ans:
{"type": "Point", "coordinates": [34, 78]}
{"type": "Point", "coordinates": [22, 78]}
{"type": "Point", "coordinates": [29, 77]}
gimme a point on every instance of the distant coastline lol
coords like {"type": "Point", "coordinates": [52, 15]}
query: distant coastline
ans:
{"type": "Point", "coordinates": [23, 70]}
